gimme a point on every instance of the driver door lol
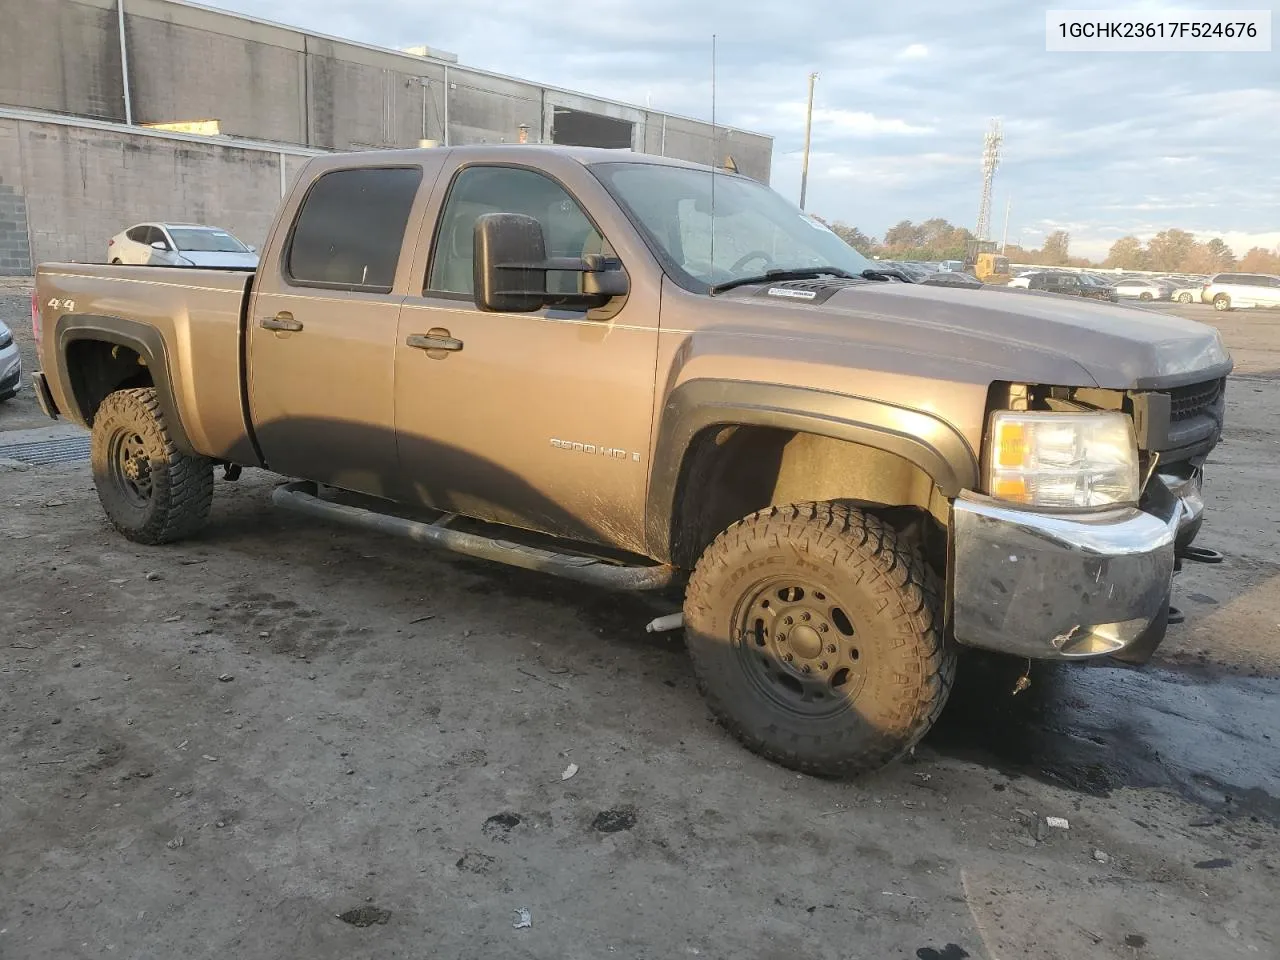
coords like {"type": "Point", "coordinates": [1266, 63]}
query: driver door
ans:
{"type": "Point", "coordinates": [536, 420]}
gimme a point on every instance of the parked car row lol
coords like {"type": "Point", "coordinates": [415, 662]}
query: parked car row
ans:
{"type": "Point", "coordinates": [1069, 284]}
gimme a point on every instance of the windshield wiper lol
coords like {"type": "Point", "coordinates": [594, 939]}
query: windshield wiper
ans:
{"type": "Point", "coordinates": [884, 273]}
{"type": "Point", "coordinates": [772, 276]}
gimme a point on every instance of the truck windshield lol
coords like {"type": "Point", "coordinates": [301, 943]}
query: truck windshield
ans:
{"type": "Point", "coordinates": [748, 232]}
{"type": "Point", "coordinates": [206, 241]}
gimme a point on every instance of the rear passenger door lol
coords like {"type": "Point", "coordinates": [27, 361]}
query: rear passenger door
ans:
{"type": "Point", "coordinates": [322, 329]}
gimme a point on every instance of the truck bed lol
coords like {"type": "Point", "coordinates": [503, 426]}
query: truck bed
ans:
{"type": "Point", "coordinates": [191, 321]}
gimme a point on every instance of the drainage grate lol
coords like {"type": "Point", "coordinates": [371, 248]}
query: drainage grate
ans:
{"type": "Point", "coordinates": [41, 453]}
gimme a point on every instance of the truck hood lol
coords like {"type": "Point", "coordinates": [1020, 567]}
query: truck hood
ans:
{"type": "Point", "coordinates": [1024, 334]}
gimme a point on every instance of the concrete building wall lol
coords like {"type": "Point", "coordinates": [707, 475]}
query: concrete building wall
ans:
{"type": "Point", "coordinates": [15, 252]}
{"type": "Point", "coordinates": [81, 185]}
{"type": "Point", "coordinates": [269, 82]}
{"type": "Point", "coordinates": [181, 71]}
{"type": "Point", "coordinates": [61, 55]}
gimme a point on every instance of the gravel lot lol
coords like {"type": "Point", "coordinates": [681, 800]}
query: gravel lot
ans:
{"type": "Point", "coordinates": [220, 749]}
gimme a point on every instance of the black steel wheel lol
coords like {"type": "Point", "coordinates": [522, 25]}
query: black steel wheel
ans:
{"type": "Point", "coordinates": [800, 647]}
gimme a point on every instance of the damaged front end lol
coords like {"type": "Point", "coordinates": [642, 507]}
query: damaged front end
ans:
{"type": "Point", "coordinates": [1073, 583]}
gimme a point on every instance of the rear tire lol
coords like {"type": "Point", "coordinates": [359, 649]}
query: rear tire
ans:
{"type": "Point", "coordinates": [816, 637]}
{"type": "Point", "coordinates": [1222, 302]}
{"type": "Point", "coordinates": [1184, 298]}
{"type": "Point", "coordinates": [1145, 295]}
{"type": "Point", "coordinates": [151, 492]}
{"type": "Point", "coordinates": [116, 261]}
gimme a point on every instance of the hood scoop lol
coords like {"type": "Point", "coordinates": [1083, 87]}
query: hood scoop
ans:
{"type": "Point", "coordinates": [809, 291]}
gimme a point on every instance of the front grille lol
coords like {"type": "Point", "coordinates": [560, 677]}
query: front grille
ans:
{"type": "Point", "coordinates": [1188, 402]}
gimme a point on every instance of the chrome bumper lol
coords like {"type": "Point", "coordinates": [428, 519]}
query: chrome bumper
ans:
{"type": "Point", "coordinates": [1067, 586]}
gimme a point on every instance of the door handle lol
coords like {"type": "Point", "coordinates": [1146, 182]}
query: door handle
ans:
{"type": "Point", "coordinates": [281, 321]}
{"type": "Point", "coordinates": [433, 341]}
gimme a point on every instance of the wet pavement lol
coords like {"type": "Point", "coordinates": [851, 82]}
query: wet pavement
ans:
{"type": "Point", "coordinates": [1209, 736]}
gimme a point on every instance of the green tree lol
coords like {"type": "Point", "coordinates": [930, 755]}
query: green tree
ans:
{"type": "Point", "coordinates": [1056, 247]}
{"type": "Point", "coordinates": [854, 237]}
{"type": "Point", "coordinates": [1169, 248]}
{"type": "Point", "coordinates": [903, 235]}
{"type": "Point", "coordinates": [1127, 254]}
{"type": "Point", "coordinates": [1223, 257]}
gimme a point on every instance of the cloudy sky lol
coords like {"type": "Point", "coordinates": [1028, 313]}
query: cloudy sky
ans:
{"type": "Point", "coordinates": [1098, 144]}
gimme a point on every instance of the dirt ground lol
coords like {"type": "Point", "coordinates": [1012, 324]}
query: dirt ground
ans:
{"type": "Point", "coordinates": [219, 749]}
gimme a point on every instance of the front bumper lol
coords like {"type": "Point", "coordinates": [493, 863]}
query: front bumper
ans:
{"type": "Point", "coordinates": [1068, 586]}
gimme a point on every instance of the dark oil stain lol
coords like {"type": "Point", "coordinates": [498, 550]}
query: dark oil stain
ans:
{"type": "Point", "coordinates": [1135, 940]}
{"type": "Point", "coordinates": [500, 825]}
{"type": "Point", "coordinates": [950, 952]}
{"type": "Point", "coordinates": [615, 821]}
{"type": "Point", "coordinates": [1097, 728]}
{"type": "Point", "coordinates": [1215, 864]}
{"type": "Point", "coordinates": [365, 916]}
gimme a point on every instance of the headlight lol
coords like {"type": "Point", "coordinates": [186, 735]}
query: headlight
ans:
{"type": "Point", "coordinates": [1062, 459]}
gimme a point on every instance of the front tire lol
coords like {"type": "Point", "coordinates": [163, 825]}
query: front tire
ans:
{"type": "Point", "coordinates": [1184, 298]}
{"type": "Point", "coordinates": [1222, 302]}
{"type": "Point", "coordinates": [816, 636]}
{"type": "Point", "coordinates": [151, 492]}
{"type": "Point", "coordinates": [1145, 296]}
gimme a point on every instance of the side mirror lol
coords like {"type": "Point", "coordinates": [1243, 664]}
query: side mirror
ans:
{"type": "Point", "coordinates": [160, 245]}
{"type": "Point", "coordinates": [505, 247]}
{"type": "Point", "coordinates": [510, 266]}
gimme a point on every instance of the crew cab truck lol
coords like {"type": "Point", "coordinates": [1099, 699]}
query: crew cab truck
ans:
{"type": "Point", "coordinates": [647, 374]}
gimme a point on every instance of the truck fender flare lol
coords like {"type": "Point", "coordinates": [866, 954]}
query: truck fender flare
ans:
{"type": "Point", "coordinates": [921, 438]}
{"type": "Point", "coordinates": [141, 338]}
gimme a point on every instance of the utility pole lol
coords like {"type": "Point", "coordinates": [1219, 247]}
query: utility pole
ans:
{"type": "Point", "coordinates": [808, 129]}
{"type": "Point", "coordinates": [1004, 237]}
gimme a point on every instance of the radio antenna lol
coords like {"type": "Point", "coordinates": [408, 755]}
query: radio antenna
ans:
{"type": "Point", "coordinates": [714, 151]}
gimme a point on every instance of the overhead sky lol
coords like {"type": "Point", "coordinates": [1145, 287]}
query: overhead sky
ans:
{"type": "Point", "coordinates": [1099, 144]}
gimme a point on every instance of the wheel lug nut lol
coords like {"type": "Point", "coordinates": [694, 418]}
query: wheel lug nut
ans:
{"type": "Point", "coordinates": [806, 668]}
{"type": "Point", "coordinates": [787, 657]}
{"type": "Point", "coordinates": [788, 621]}
{"type": "Point", "coordinates": [804, 616]}
{"type": "Point", "coordinates": [831, 648]}
{"type": "Point", "coordinates": [823, 665]}
{"type": "Point", "coordinates": [823, 628]}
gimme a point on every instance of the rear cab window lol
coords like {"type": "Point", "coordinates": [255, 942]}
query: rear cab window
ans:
{"type": "Point", "coordinates": [349, 231]}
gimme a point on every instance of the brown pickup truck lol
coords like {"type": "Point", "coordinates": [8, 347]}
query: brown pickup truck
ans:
{"type": "Point", "coordinates": [646, 374]}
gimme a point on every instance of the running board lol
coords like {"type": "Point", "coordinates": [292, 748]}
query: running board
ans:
{"type": "Point", "coordinates": [301, 498]}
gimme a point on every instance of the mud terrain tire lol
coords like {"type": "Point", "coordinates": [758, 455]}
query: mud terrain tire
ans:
{"type": "Point", "coordinates": [816, 636]}
{"type": "Point", "coordinates": [151, 492]}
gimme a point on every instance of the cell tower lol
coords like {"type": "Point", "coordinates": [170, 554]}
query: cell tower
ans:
{"type": "Point", "coordinates": [990, 161]}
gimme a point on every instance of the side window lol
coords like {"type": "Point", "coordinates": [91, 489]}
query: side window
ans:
{"type": "Point", "coordinates": [156, 235]}
{"type": "Point", "coordinates": [138, 234]}
{"type": "Point", "coordinates": [480, 190]}
{"type": "Point", "coordinates": [1037, 282]}
{"type": "Point", "coordinates": [350, 230]}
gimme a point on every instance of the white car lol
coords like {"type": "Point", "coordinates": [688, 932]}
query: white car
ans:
{"type": "Point", "coordinates": [1134, 288]}
{"type": "Point", "coordinates": [1227, 290]}
{"type": "Point", "coordinates": [180, 245]}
